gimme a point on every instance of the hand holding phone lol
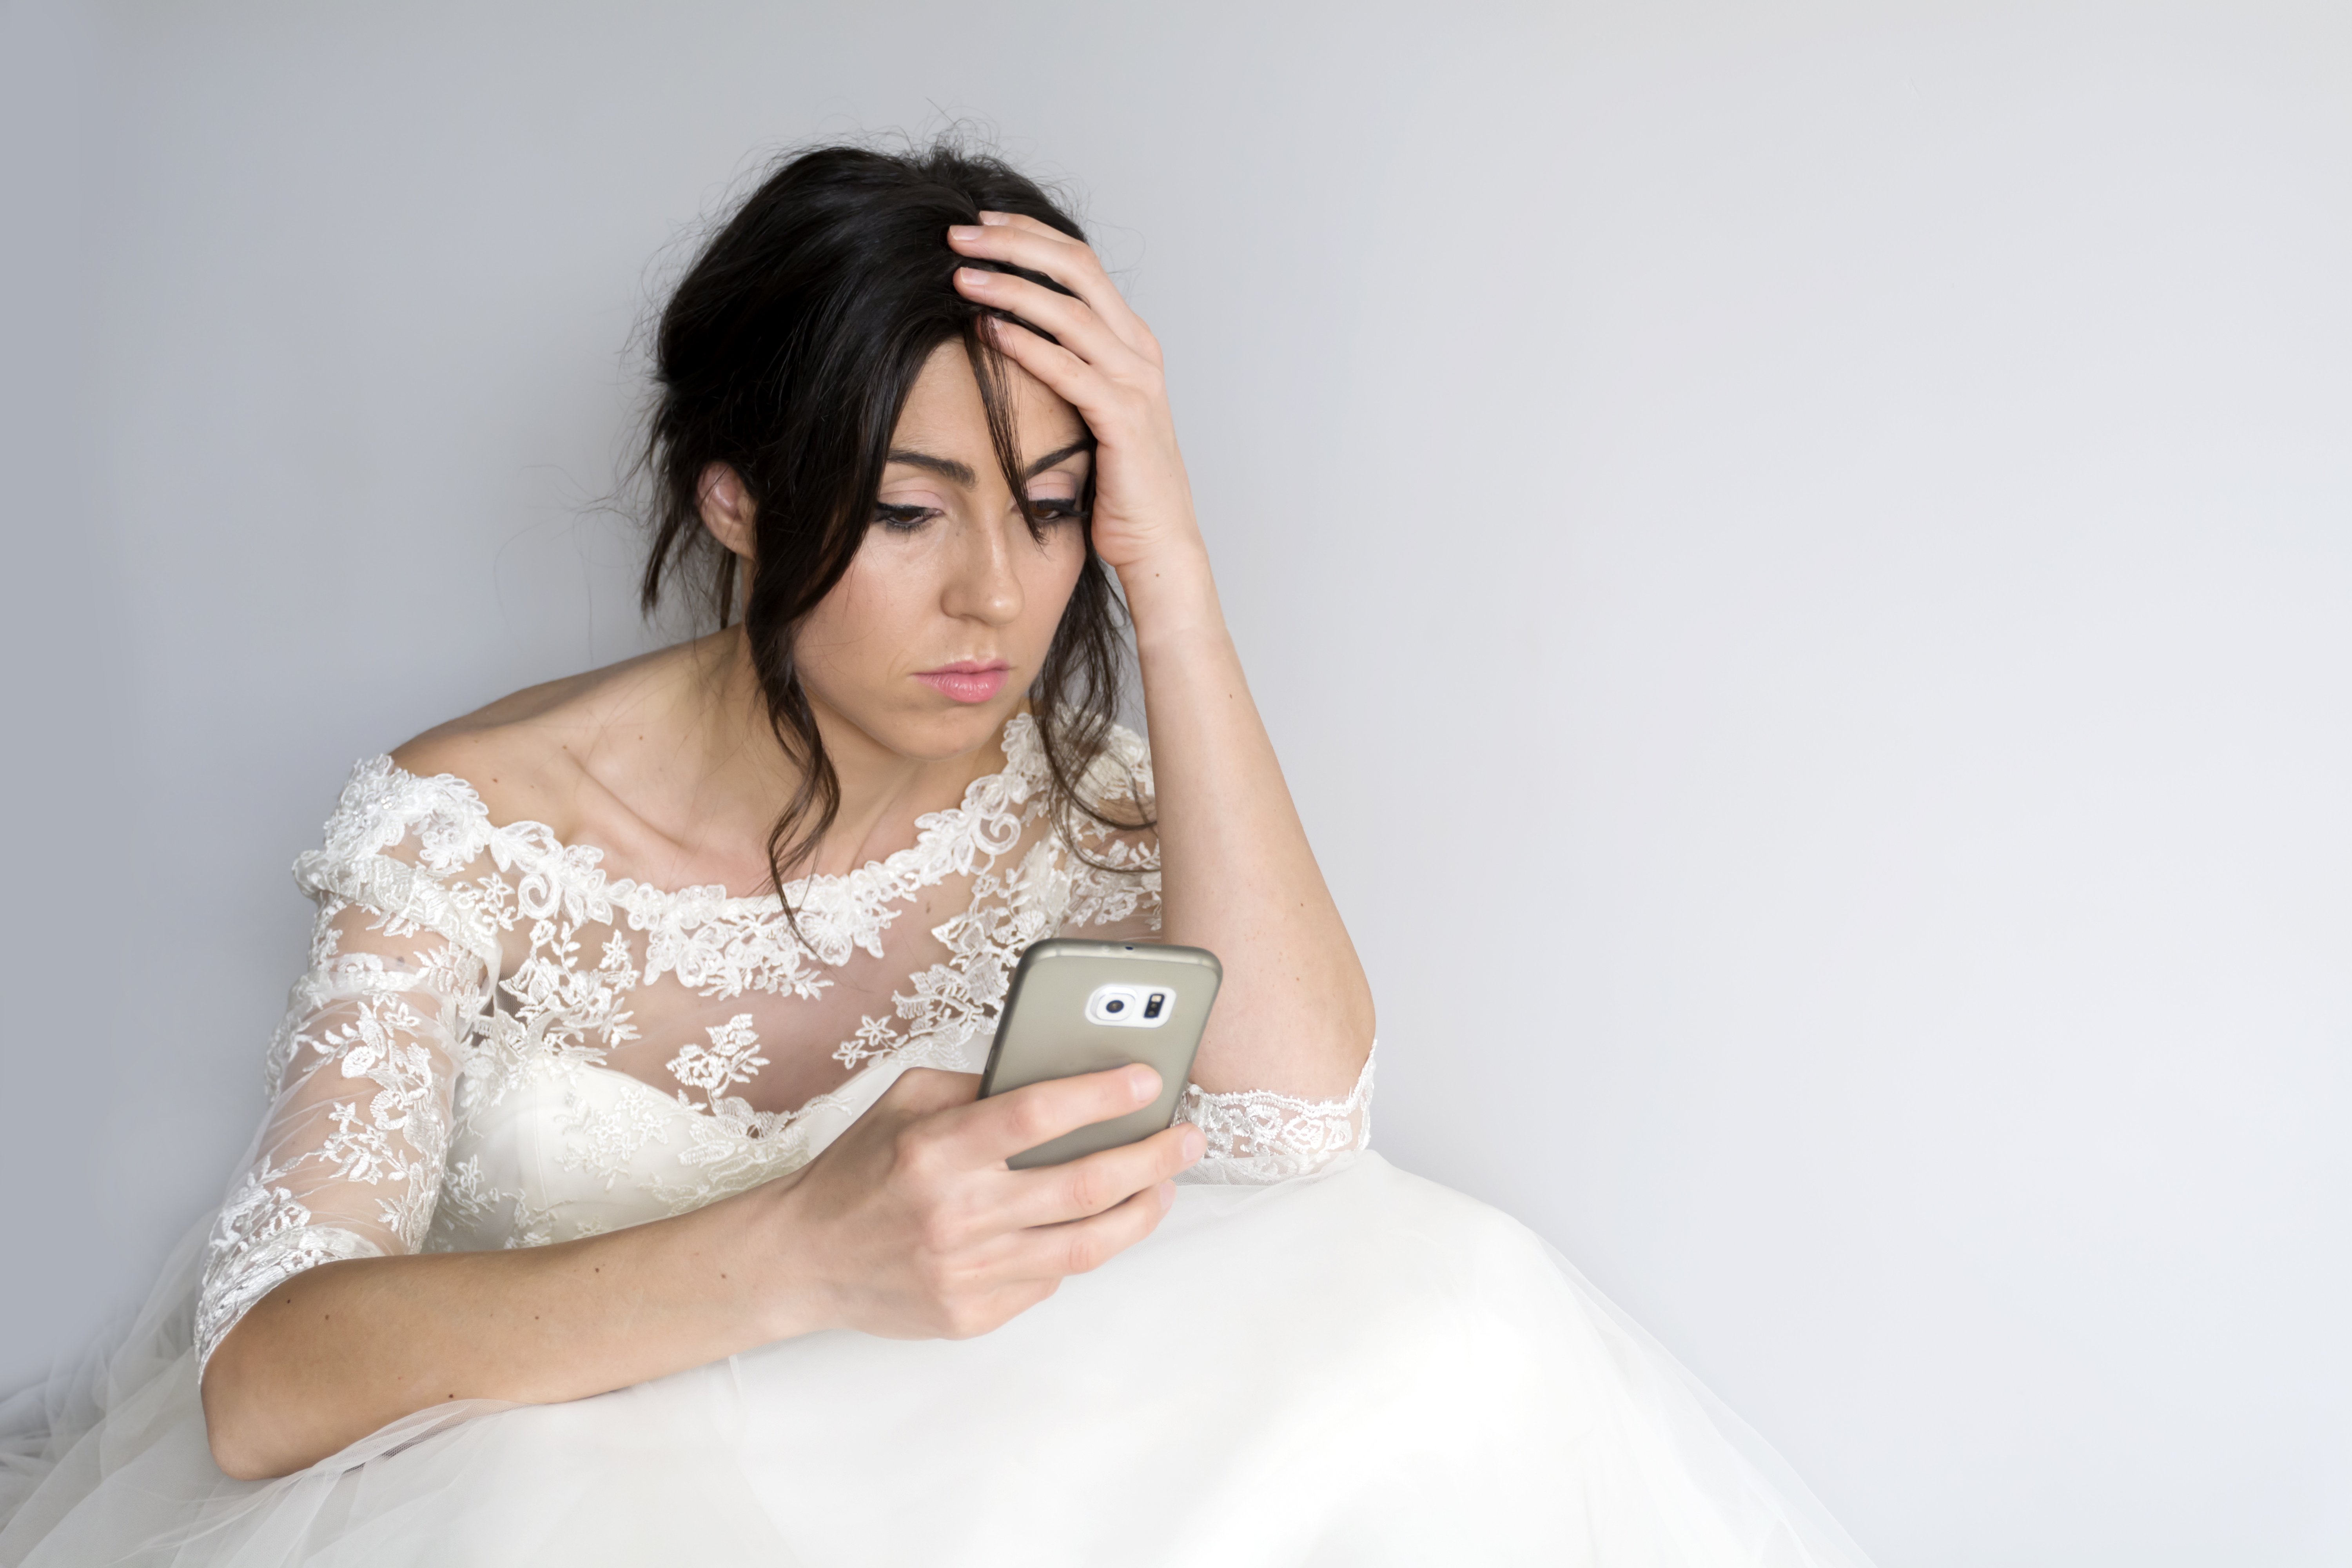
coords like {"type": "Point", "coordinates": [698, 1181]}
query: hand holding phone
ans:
{"type": "Point", "coordinates": [909, 1226]}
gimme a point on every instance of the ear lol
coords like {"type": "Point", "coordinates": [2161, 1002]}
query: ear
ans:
{"type": "Point", "coordinates": [725, 509]}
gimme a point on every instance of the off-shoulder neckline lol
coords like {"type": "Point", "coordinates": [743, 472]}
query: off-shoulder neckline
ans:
{"type": "Point", "coordinates": [528, 838]}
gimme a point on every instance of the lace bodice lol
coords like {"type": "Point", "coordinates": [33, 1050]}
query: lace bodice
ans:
{"type": "Point", "coordinates": [495, 1044]}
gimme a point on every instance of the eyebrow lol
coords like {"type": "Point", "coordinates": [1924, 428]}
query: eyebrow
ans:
{"type": "Point", "coordinates": [960, 473]}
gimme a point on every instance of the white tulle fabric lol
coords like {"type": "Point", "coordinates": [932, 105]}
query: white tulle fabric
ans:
{"type": "Point", "coordinates": [1316, 1358]}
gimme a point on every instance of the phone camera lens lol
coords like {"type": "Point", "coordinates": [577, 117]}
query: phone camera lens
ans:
{"type": "Point", "coordinates": [1115, 1006]}
{"type": "Point", "coordinates": [1151, 1008]}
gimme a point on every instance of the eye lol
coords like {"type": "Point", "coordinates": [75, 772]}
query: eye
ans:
{"type": "Point", "coordinates": [1056, 509]}
{"type": "Point", "coordinates": [903, 518]}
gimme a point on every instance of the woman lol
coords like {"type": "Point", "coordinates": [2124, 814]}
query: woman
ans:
{"type": "Point", "coordinates": [625, 1196]}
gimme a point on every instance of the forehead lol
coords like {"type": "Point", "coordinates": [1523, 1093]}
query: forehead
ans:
{"type": "Point", "coordinates": [944, 415]}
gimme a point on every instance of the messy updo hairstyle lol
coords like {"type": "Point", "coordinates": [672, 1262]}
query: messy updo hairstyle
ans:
{"type": "Point", "coordinates": [787, 352]}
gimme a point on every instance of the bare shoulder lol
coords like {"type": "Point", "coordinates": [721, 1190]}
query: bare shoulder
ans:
{"type": "Point", "coordinates": [516, 753]}
{"type": "Point", "coordinates": [528, 754]}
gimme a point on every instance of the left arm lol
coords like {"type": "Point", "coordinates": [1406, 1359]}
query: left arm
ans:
{"type": "Point", "coordinates": [1294, 1013]}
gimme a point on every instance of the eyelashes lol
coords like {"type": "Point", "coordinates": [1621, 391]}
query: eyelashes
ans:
{"type": "Point", "coordinates": [904, 519]}
{"type": "Point", "coordinates": [912, 519]}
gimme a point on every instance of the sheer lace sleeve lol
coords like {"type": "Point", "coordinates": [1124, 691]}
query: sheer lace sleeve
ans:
{"type": "Point", "coordinates": [1254, 1136]}
{"type": "Point", "coordinates": [348, 1162]}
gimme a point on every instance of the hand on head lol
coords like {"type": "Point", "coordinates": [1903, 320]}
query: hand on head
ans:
{"type": "Point", "coordinates": [1105, 362]}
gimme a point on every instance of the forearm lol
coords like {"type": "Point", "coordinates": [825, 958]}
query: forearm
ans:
{"type": "Point", "coordinates": [1237, 875]}
{"type": "Point", "coordinates": [341, 1350]}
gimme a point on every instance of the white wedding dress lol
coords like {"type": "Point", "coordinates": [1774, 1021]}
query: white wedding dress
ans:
{"type": "Point", "coordinates": [1316, 1359]}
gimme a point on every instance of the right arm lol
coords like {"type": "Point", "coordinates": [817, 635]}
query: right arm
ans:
{"type": "Point", "coordinates": [321, 1320]}
{"type": "Point", "coordinates": [909, 1226]}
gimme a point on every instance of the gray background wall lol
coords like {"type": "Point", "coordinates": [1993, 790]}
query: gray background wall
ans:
{"type": "Point", "coordinates": [1797, 556]}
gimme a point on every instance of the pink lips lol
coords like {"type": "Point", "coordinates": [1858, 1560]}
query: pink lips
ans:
{"type": "Point", "coordinates": [967, 680]}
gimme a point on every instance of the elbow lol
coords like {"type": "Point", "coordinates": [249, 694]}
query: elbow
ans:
{"type": "Point", "coordinates": [234, 1448]}
{"type": "Point", "coordinates": [241, 1463]}
{"type": "Point", "coordinates": [237, 1427]}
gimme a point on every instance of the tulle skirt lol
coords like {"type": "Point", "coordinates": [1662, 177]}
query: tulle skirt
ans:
{"type": "Point", "coordinates": [1363, 1368]}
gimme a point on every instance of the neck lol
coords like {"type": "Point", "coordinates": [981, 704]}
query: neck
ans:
{"type": "Point", "coordinates": [882, 791]}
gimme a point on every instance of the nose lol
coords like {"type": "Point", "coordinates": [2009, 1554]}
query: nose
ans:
{"type": "Point", "coordinates": [982, 584]}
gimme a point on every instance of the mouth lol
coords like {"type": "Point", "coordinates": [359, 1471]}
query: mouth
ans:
{"type": "Point", "coordinates": [967, 680]}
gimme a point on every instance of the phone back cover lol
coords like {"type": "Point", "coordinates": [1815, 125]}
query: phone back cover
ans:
{"type": "Point", "coordinates": [1047, 1035]}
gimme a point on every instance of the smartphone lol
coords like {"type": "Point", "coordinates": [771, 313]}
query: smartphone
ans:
{"type": "Point", "coordinates": [1088, 1006]}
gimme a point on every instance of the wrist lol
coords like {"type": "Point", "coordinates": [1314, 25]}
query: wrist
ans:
{"type": "Point", "coordinates": [749, 1249]}
{"type": "Point", "coordinates": [1171, 593]}
{"type": "Point", "coordinates": [790, 1294]}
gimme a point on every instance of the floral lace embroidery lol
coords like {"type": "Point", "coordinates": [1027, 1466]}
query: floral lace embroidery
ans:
{"type": "Point", "coordinates": [485, 960]}
{"type": "Point", "coordinates": [468, 1201]}
{"type": "Point", "coordinates": [727, 1061]}
{"type": "Point", "coordinates": [605, 1142]}
{"type": "Point", "coordinates": [360, 1026]}
{"type": "Point", "coordinates": [1256, 1138]}
{"type": "Point", "coordinates": [244, 1267]}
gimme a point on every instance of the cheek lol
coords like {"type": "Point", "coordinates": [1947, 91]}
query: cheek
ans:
{"type": "Point", "coordinates": [1051, 575]}
{"type": "Point", "coordinates": [858, 630]}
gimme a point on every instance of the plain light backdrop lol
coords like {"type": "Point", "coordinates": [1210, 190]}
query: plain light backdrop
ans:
{"type": "Point", "coordinates": [1797, 556]}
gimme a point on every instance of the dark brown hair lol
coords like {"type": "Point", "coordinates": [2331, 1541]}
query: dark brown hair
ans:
{"type": "Point", "coordinates": [787, 352]}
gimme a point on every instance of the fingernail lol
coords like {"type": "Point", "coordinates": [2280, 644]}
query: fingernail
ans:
{"type": "Point", "coordinates": [1167, 1196]}
{"type": "Point", "coordinates": [963, 231]}
{"type": "Point", "coordinates": [1143, 1082]}
{"type": "Point", "coordinates": [996, 220]}
{"type": "Point", "coordinates": [973, 277]}
{"type": "Point", "coordinates": [1195, 1145]}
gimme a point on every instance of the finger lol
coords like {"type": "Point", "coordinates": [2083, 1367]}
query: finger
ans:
{"type": "Point", "coordinates": [1004, 1125]}
{"type": "Point", "coordinates": [1082, 385]}
{"type": "Point", "coordinates": [1082, 1246]}
{"type": "Point", "coordinates": [1055, 1194]}
{"type": "Point", "coordinates": [991, 218]}
{"type": "Point", "coordinates": [1113, 306]}
{"type": "Point", "coordinates": [1024, 242]}
{"type": "Point", "coordinates": [1073, 321]}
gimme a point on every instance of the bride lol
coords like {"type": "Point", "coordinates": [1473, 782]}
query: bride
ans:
{"type": "Point", "coordinates": [623, 1194]}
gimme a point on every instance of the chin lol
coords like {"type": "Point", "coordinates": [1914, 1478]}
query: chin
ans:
{"type": "Point", "coordinates": [939, 735]}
